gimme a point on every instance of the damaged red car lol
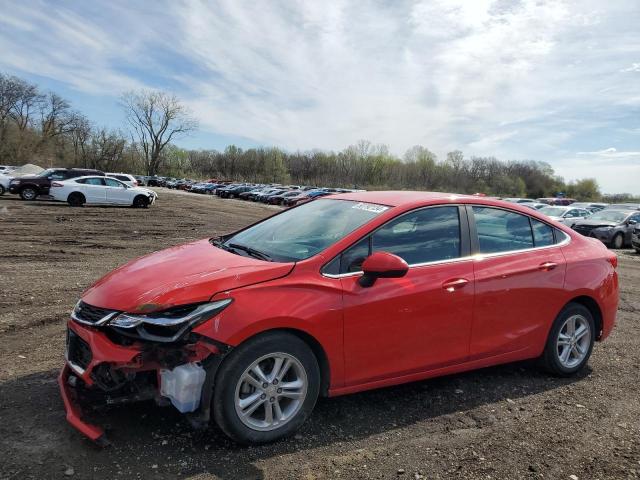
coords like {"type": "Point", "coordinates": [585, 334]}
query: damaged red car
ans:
{"type": "Point", "coordinates": [339, 295]}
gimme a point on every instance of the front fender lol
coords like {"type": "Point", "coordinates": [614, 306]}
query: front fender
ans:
{"type": "Point", "coordinates": [314, 308]}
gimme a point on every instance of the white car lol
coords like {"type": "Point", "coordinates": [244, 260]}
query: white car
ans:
{"type": "Point", "coordinates": [124, 178]}
{"type": "Point", "coordinates": [567, 215]}
{"type": "Point", "coordinates": [4, 183]}
{"type": "Point", "coordinates": [92, 190]}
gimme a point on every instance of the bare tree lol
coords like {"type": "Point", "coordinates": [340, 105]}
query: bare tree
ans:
{"type": "Point", "coordinates": [80, 133]}
{"type": "Point", "coordinates": [156, 118]}
{"type": "Point", "coordinates": [28, 99]}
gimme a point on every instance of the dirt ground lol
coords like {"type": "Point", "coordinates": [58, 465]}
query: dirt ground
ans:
{"type": "Point", "coordinates": [510, 422]}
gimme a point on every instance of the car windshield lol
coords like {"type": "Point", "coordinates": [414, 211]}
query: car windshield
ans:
{"type": "Point", "coordinates": [46, 173]}
{"type": "Point", "coordinates": [609, 216]}
{"type": "Point", "coordinates": [553, 211]}
{"type": "Point", "coordinates": [302, 232]}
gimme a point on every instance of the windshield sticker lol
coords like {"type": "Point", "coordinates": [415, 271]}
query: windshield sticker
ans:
{"type": "Point", "coordinates": [370, 207]}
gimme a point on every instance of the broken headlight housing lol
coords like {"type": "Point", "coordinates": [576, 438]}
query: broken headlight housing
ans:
{"type": "Point", "coordinates": [167, 325]}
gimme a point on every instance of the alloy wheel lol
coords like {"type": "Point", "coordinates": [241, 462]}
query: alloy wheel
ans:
{"type": "Point", "coordinates": [271, 391]}
{"type": "Point", "coordinates": [573, 341]}
{"type": "Point", "coordinates": [28, 194]}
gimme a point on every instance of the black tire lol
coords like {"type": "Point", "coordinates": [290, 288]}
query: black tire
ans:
{"type": "Point", "coordinates": [617, 241]}
{"type": "Point", "coordinates": [76, 199]}
{"type": "Point", "coordinates": [2, 190]}
{"type": "Point", "coordinates": [29, 193]}
{"type": "Point", "coordinates": [638, 250]}
{"type": "Point", "coordinates": [140, 202]}
{"type": "Point", "coordinates": [232, 369]}
{"type": "Point", "coordinates": [551, 356]}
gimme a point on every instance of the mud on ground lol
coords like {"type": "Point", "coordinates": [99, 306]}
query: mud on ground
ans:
{"type": "Point", "coordinates": [510, 422]}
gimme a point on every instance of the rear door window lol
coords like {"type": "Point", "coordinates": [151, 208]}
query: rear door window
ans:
{"type": "Point", "coordinates": [93, 181]}
{"type": "Point", "coordinates": [110, 182]}
{"type": "Point", "coordinates": [501, 230]}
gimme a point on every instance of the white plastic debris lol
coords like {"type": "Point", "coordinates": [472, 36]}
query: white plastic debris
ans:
{"type": "Point", "coordinates": [183, 386]}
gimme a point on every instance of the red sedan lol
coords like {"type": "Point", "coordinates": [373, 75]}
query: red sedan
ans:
{"type": "Point", "coordinates": [339, 295]}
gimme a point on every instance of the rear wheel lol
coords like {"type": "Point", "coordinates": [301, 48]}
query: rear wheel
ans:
{"type": "Point", "coordinates": [618, 241]}
{"type": "Point", "coordinates": [570, 341]}
{"type": "Point", "coordinates": [76, 199]}
{"type": "Point", "coordinates": [2, 190]}
{"type": "Point", "coordinates": [28, 193]}
{"type": "Point", "coordinates": [141, 202]}
{"type": "Point", "coordinates": [266, 388]}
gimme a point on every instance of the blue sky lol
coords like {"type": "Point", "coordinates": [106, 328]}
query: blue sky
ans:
{"type": "Point", "coordinates": [556, 81]}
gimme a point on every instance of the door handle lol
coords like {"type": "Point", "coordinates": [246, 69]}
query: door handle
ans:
{"type": "Point", "coordinates": [547, 266]}
{"type": "Point", "coordinates": [452, 285]}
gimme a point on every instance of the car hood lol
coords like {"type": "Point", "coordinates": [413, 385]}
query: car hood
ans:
{"type": "Point", "coordinates": [28, 177]}
{"type": "Point", "coordinates": [597, 223]}
{"type": "Point", "coordinates": [179, 275]}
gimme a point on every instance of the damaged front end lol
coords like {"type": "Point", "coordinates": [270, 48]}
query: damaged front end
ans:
{"type": "Point", "coordinates": [115, 358]}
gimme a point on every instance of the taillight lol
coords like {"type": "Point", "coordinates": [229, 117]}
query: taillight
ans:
{"type": "Point", "coordinates": [613, 260]}
{"type": "Point", "coordinates": [135, 183]}
{"type": "Point", "coordinates": [56, 184]}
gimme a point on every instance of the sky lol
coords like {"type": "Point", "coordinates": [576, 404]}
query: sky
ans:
{"type": "Point", "coordinates": [556, 81]}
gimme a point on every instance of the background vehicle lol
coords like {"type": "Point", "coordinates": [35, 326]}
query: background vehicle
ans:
{"type": "Point", "coordinates": [443, 283]}
{"type": "Point", "coordinates": [556, 201]}
{"type": "Point", "coordinates": [519, 200]}
{"type": "Point", "coordinates": [535, 205]}
{"type": "Point", "coordinates": [30, 186]}
{"type": "Point", "coordinates": [592, 207]}
{"type": "Point", "coordinates": [624, 206]}
{"type": "Point", "coordinates": [124, 178]}
{"type": "Point", "coordinates": [100, 190]}
{"type": "Point", "coordinates": [635, 238]}
{"type": "Point", "coordinates": [612, 227]}
{"type": "Point", "coordinates": [566, 215]}
{"type": "Point", "coordinates": [4, 183]}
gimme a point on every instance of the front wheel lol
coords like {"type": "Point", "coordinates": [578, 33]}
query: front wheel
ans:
{"type": "Point", "coordinates": [140, 202]}
{"type": "Point", "coordinates": [266, 388]}
{"type": "Point", "coordinates": [2, 190]}
{"type": "Point", "coordinates": [28, 193]}
{"type": "Point", "coordinates": [570, 341]}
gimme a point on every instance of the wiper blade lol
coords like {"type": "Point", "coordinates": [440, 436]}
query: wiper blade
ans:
{"type": "Point", "coordinates": [251, 251]}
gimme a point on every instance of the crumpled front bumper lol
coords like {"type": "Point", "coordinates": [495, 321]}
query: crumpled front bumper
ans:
{"type": "Point", "coordinates": [74, 414]}
{"type": "Point", "coordinates": [82, 374]}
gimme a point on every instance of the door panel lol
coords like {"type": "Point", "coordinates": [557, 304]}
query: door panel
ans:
{"type": "Point", "coordinates": [117, 192]}
{"type": "Point", "coordinates": [518, 293]}
{"type": "Point", "coordinates": [517, 297]}
{"type": "Point", "coordinates": [94, 193]}
{"type": "Point", "coordinates": [409, 324]}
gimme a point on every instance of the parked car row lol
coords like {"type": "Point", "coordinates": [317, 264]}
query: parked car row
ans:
{"type": "Point", "coordinates": [612, 224]}
{"type": "Point", "coordinates": [273, 194]}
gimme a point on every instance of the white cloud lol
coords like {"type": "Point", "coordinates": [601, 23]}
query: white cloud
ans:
{"type": "Point", "coordinates": [635, 67]}
{"type": "Point", "coordinates": [612, 152]}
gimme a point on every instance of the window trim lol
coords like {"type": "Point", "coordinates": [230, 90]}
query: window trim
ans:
{"type": "Point", "coordinates": [465, 243]}
{"type": "Point", "coordinates": [475, 241]}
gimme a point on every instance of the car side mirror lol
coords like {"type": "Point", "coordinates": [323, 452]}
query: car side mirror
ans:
{"type": "Point", "coordinates": [632, 222]}
{"type": "Point", "coordinates": [382, 265]}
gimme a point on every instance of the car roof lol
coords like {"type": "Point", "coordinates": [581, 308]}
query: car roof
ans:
{"type": "Point", "coordinates": [406, 198]}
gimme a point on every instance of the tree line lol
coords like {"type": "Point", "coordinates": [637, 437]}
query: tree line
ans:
{"type": "Point", "coordinates": [43, 128]}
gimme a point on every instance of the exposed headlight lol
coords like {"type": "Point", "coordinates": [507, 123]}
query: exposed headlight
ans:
{"type": "Point", "coordinates": [14, 182]}
{"type": "Point", "coordinates": [608, 227]}
{"type": "Point", "coordinates": [168, 325]}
